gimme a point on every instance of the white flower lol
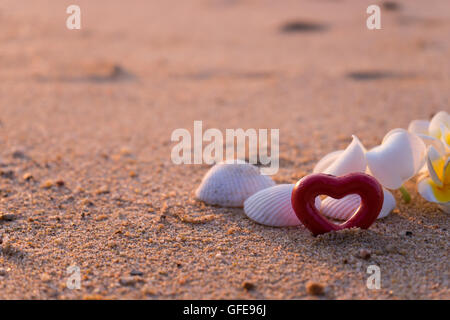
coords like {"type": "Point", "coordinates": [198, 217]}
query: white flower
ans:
{"type": "Point", "coordinates": [434, 186]}
{"type": "Point", "coordinates": [435, 132]}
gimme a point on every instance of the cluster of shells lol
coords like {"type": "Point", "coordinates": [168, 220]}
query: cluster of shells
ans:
{"type": "Point", "coordinates": [240, 184]}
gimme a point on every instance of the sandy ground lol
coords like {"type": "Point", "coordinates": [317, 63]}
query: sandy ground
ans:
{"type": "Point", "coordinates": [85, 125]}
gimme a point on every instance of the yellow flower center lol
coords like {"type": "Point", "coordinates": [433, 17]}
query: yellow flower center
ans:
{"type": "Point", "coordinates": [442, 194]}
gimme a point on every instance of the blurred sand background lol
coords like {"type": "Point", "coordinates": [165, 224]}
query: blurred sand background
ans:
{"type": "Point", "coordinates": [85, 125]}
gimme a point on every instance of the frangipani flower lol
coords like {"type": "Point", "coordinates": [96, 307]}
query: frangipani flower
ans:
{"type": "Point", "coordinates": [435, 186]}
{"type": "Point", "coordinates": [435, 132]}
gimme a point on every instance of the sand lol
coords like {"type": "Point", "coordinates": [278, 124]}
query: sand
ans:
{"type": "Point", "coordinates": [85, 125]}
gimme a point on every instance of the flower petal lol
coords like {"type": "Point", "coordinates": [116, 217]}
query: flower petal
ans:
{"type": "Point", "coordinates": [419, 127]}
{"type": "Point", "coordinates": [433, 193]}
{"type": "Point", "coordinates": [445, 136]}
{"type": "Point", "coordinates": [439, 118]}
{"type": "Point", "coordinates": [434, 156]}
{"type": "Point", "coordinates": [446, 172]}
{"type": "Point", "coordinates": [400, 157]}
{"type": "Point", "coordinates": [432, 141]}
{"type": "Point", "coordinates": [352, 159]}
{"type": "Point", "coordinates": [424, 187]}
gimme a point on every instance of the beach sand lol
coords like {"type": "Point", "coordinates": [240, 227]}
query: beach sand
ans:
{"type": "Point", "coordinates": [85, 127]}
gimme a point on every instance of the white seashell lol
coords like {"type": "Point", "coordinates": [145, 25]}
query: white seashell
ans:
{"type": "Point", "coordinates": [400, 157]}
{"type": "Point", "coordinates": [229, 183]}
{"type": "Point", "coordinates": [272, 206]}
{"type": "Point", "coordinates": [343, 209]}
{"type": "Point", "coordinates": [339, 163]}
{"type": "Point", "coordinates": [327, 161]}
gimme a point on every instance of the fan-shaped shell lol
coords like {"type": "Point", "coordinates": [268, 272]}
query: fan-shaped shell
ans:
{"type": "Point", "coordinates": [343, 209]}
{"type": "Point", "coordinates": [272, 206]}
{"type": "Point", "coordinates": [228, 184]}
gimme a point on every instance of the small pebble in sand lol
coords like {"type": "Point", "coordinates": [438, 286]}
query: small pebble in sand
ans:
{"type": "Point", "coordinates": [7, 217]}
{"type": "Point", "coordinates": [364, 254]}
{"type": "Point", "coordinates": [248, 286]}
{"type": "Point", "coordinates": [19, 154]}
{"type": "Point", "coordinates": [60, 183]}
{"type": "Point", "coordinates": [125, 151]}
{"type": "Point", "coordinates": [390, 248]}
{"type": "Point", "coordinates": [45, 277]}
{"type": "Point", "coordinates": [315, 289]}
{"type": "Point", "coordinates": [102, 190]}
{"type": "Point", "coordinates": [136, 273]}
{"type": "Point", "coordinates": [47, 184]}
{"type": "Point", "coordinates": [132, 174]}
{"type": "Point", "coordinates": [128, 281]}
{"type": "Point", "coordinates": [27, 176]}
{"type": "Point", "coordinates": [2, 272]}
{"type": "Point", "coordinates": [8, 174]}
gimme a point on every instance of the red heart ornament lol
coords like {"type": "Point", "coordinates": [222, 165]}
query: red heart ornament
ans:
{"type": "Point", "coordinates": [308, 188]}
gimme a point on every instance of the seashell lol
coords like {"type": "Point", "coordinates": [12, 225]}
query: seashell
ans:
{"type": "Point", "coordinates": [229, 183]}
{"type": "Point", "coordinates": [343, 209]}
{"type": "Point", "coordinates": [272, 206]}
{"type": "Point", "coordinates": [342, 162]}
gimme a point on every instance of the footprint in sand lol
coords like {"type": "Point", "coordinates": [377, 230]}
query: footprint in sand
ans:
{"type": "Point", "coordinates": [302, 26]}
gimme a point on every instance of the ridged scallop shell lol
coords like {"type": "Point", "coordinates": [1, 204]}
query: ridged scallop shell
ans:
{"type": "Point", "coordinates": [343, 209]}
{"type": "Point", "coordinates": [272, 206]}
{"type": "Point", "coordinates": [229, 184]}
